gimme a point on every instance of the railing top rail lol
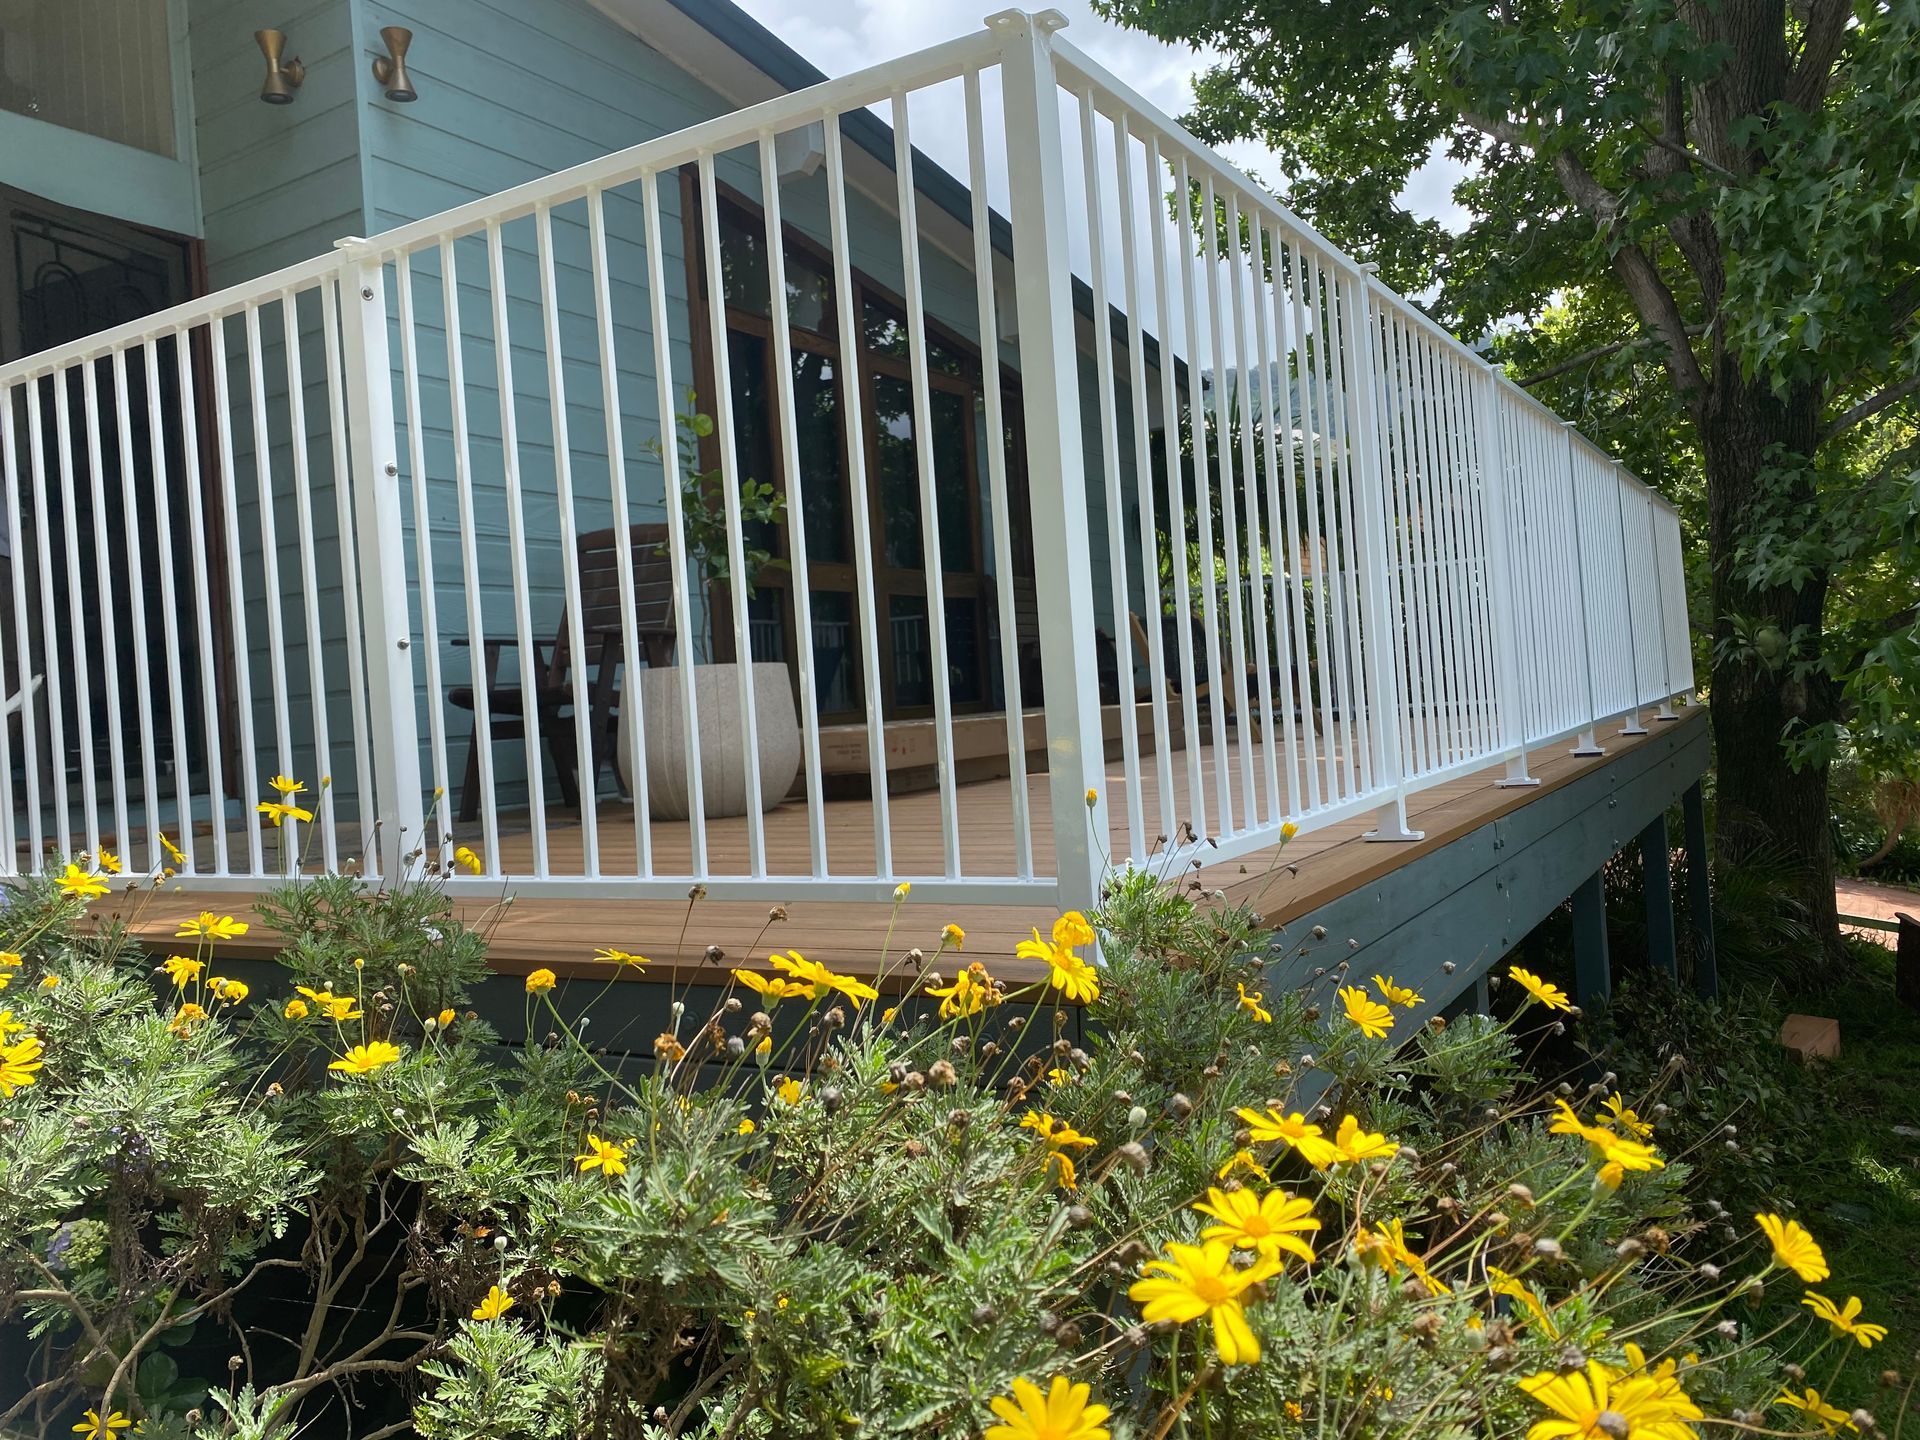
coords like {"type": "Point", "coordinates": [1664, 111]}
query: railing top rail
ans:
{"type": "Point", "coordinates": [1109, 94]}
{"type": "Point", "coordinates": [171, 320]}
{"type": "Point", "coordinates": [827, 100]}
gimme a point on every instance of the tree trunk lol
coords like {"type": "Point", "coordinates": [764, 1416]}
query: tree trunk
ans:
{"type": "Point", "coordinates": [1753, 442]}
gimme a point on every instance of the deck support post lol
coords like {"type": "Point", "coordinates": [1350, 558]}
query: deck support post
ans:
{"type": "Point", "coordinates": [398, 810]}
{"type": "Point", "coordinates": [1592, 972]}
{"type": "Point", "coordinates": [1656, 864]}
{"type": "Point", "coordinates": [1049, 363]}
{"type": "Point", "coordinates": [1706, 969]}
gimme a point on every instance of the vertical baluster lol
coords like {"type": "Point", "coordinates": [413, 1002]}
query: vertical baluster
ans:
{"type": "Point", "coordinates": [343, 506]}
{"type": "Point", "coordinates": [730, 496]}
{"type": "Point", "coordinates": [1239, 258]}
{"type": "Point", "coordinates": [1223, 434]}
{"type": "Point", "coordinates": [983, 285]}
{"type": "Point", "coordinates": [52, 647]}
{"type": "Point", "coordinates": [585, 768]}
{"type": "Point", "coordinates": [423, 559]}
{"type": "Point", "coordinates": [136, 602]}
{"type": "Point", "coordinates": [163, 483]}
{"type": "Point", "coordinates": [1334, 745]}
{"type": "Point", "coordinates": [630, 697]}
{"type": "Point", "coordinates": [684, 611]}
{"type": "Point", "coordinates": [1286, 342]}
{"type": "Point", "coordinates": [246, 757]}
{"type": "Point", "coordinates": [530, 677]}
{"type": "Point", "coordinates": [931, 558]}
{"type": "Point", "coordinates": [71, 522]}
{"type": "Point", "coordinates": [1176, 501]}
{"type": "Point", "coordinates": [796, 501]}
{"type": "Point", "coordinates": [1473, 560]}
{"type": "Point", "coordinates": [852, 403]}
{"type": "Point", "coordinates": [1505, 592]}
{"type": "Point", "coordinates": [108, 602]}
{"type": "Point", "coordinates": [1417, 619]}
{"type": "Point", "coordinates": [270, 571]}
{"type": "Point", "coordinates": [1110, 474]}
{"type": "Point", "coordinates": [482, 767]}
{"type": "Point", "coordinates": [23, 672]}
{"type": "Point", "coordinates": [309, 584]}
{"type": "Point", "coordinates": [1150, 602]}
{"type": "Point", "coordinates": [188, 401]}
{"type": "Point", "coordinates": [1343, 642]}
{"type": "Point", "coordinates": [1382, 672]}
{"type": "Point", "coordinates": [1267, 261]}
{"type": "Point", "coordinates": [1446, 651]}
{"type": "Point", "coordinates": [1217, 699]}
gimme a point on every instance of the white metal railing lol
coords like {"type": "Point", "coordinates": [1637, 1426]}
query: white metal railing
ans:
{"type": "Point", "coordinates": [411, 517]}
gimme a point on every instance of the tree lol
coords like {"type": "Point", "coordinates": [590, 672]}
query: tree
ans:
{"type": "Point", "coordinates": [1695, 223]}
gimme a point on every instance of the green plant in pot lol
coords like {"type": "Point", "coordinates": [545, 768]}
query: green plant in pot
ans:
{"type": "Point", "coordinates": [719, 746]}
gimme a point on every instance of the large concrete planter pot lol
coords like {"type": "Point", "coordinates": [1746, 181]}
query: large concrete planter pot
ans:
{"type": "Point", "coordinates": [723, 779]}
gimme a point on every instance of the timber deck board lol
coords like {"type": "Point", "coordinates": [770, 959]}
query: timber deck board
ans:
{"type": "Point", "coordinates": [561, 934]}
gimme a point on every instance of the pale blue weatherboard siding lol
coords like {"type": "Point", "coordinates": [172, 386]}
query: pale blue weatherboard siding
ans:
{"type": "Point", "coordinates": [279, 185]}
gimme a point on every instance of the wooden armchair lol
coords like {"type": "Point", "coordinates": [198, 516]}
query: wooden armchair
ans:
{"type": "Point", "coordinates": [597, 556]}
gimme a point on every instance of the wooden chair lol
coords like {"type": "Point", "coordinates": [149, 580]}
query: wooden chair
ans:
{"type": "Point", "coordinates": [1284, 682]}
{"type": "Point", "coordinates": [597, 556]}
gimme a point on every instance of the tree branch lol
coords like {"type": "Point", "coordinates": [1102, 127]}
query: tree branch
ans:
{"type": "Point", "coordinates": [1649, 293]}
{"type": "Point", "coordinates": [1826, 30]}
{"type": "Point", "coordinates": [1870, 407]}
{"type": "Point", "coordinates": [1599, 352]}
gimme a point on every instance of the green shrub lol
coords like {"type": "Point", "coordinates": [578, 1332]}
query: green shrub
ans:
{"type": "Point", "coordinates": [345, 1209]}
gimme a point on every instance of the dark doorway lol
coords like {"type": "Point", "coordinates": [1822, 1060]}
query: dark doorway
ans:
{"type": "Point", "coordinates": [65, 274]}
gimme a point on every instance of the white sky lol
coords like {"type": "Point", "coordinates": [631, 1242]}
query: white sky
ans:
{"type": "Point", "coordinates": [840, 36]}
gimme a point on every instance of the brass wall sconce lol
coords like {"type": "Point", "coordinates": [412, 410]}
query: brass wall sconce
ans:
{"type": "Point", "coordinates": [390, 69]}
{"type": "Point", "coordinates": [283, 76]}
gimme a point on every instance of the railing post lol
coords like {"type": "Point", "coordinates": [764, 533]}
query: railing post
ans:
{"type": "Point", "coordinates": [396, 821]}
{"type": "Point", "coordinates": [1050, 390]}
{"type": "Point", "coordinates": [1380, 647]}
{"type": "Point", "coordinates": [1510, 697]}
{"type": "Point", "coordinates": [1633, 725]}
{"type": "Point", "coordinates": [1588, 743]}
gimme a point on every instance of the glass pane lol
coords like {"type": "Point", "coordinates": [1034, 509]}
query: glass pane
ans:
{"type": "Point", "coordinates": [809, 294]}
{"type": "Point", "coordinates": [766, 624]}
{"type": "Point", "coordinates": [883, 328]}
{"type": "Point", "coordinates": [743, 261]}
{"type": "Point", "coordinates": [963, 649]}
{"type": "Point", "coordinates": [823, 456]}
{"type": "Point", "coordinates": [912, 666]}
{"type": "Point", "coordinates": [899, 480]}
{"type": "Point", "coordinates": [752, 424]}
{"type": "Point", "coordinates": [953, 481]}
{"type": "Point", "coordinates": [836, 649]}
{"type": "Point", "coordinates": [98, 66]}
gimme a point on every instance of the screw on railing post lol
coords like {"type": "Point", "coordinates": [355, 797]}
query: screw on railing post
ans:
{"type": "Point", "coordinates": [1510, 681]}
{"type": "Point", "coordinates": [394, 815]}
{"type": "Point", "coordinates": [1633, 725]}
{"type": "Point", "coordinates": [1380, 637]}
{"type": "Point", "coordinates": [1050, 392]}
{"type": "Point", "coordinates": [1588, 743]}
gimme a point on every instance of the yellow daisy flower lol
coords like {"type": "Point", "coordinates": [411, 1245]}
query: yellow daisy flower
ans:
{"type": "Point", "coordinates": [607, 1156]}
{"type": "Point", "coordinates": [1794, 1248]}
{"type": "Point", "coordinates": [1062, 1413]}
{"type": "Point", "coordinates": [1551, 996]}
{"type": "Point", "coordinates": [496, 1304]}
{"type": "Point", "coordinates": [365, 1059]}
{"type": "Point", "coordinates": [1254, 1004]}
{"type": "Point", "coordinates": [1267, 1223]}
{"type": "Point", "coordinates": [1846, 1319]}
{"type": "Point", "coordinates": [1400, 995]}
{"type": "Point", "coordinates": [1194, 1282]}
{"type": "Point", "coordinates": [1373, 1018]}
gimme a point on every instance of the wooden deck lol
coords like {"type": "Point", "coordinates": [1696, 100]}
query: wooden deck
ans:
{"type": "Point", "coordinates": [562, 934]}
